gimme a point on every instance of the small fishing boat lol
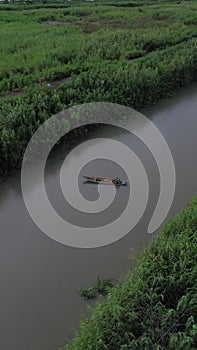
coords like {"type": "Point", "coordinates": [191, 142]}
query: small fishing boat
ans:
{"type": "Point", "coordinates": [105, 180]}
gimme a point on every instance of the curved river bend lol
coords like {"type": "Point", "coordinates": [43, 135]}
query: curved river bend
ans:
{"type": "Point", "coordinates": [40, 278]}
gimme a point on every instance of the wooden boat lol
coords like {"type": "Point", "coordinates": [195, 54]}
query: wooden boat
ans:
{"type": "Point", "coordinates": [105, 181]}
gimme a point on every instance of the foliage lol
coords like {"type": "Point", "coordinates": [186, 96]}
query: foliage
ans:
{"type": "Point", "coordinates": [23, 117]}
{"type": "Point", "coordinates": [156, 306]}
{"type": "Point", "coordinates": [101, 286]}
{"type": "Point", "coordinates": [53, 42]}
{"type": "Point", "coordinates": [88, 293]}
{"type": "Point", "coordinates": [133, 56]}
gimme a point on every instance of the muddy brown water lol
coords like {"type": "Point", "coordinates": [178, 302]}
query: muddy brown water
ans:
{"type": "Point", "coordinates": [39, 301]}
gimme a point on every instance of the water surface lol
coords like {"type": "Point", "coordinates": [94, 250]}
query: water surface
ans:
{"type": "Point", "coordinates": [40, 278]}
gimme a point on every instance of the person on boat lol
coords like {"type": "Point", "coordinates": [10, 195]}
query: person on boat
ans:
{"type": "Point", "coordinates": [117, 180]}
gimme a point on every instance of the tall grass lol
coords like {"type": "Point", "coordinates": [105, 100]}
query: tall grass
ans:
{"type": "Point", "coordinates": [155, 308]}
{"type": "Point", "coordinates": [31, 48]}
{"type": "Point", "coordinates": [137, 84]}
{"type": "Point", "coordinates": [134, 67]}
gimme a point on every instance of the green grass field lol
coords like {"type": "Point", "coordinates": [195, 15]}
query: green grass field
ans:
{"type": "Point", "coordinates": [56, 42]}
{"type": "Point", "coordinates": [131, 53]}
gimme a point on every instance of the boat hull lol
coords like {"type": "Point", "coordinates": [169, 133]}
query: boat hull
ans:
{"type": "Point", "coordinates": [104, 181]}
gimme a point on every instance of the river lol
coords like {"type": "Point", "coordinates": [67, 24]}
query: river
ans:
{"type": "Point", "coordinates": [40, 303]}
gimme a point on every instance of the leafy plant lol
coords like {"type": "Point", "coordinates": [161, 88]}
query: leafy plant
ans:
{"type": "Point", "coordinates": [88, 293]}
{"type": "Point", "coordinates": [101, 286]}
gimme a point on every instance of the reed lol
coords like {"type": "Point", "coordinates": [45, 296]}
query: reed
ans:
{"type": "Point", "coordinates": [151, 57]}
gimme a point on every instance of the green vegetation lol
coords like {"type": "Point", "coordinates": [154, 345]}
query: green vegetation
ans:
{"type": "Point", "coordinates": [132, 53]}
{"type": "Point", "coordinates": [101, 286]}
{"type": "Point", "coordinates": [88, 293]}
{"type": "Point", "coordinates": [156, 306]}
{"type": "Point", "coordinates": [34, 44]}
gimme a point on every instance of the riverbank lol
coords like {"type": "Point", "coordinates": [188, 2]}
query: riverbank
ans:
{"type": "Point", "coordinates": [41, 279]}
{"type": "Point", "coordinates": [156, 306]}
{"type": "Point", "coordinates": [136, 56]}
{"type": "Point", "coordinates": [136, 84]}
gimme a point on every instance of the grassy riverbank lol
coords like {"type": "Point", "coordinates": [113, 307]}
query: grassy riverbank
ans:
{"type": "Point", "coordinates": [156, 306]}
{"type": "Point", "coordinates": [131, 53]}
